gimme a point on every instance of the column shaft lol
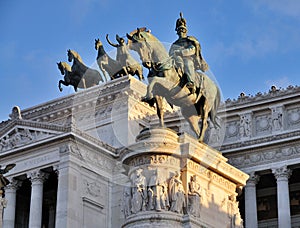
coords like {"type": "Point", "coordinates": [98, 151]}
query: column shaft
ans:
{"type": "Point", "coordinates": [10, 209]}
{"type": "Point", "coordinates": [283, 197]}
{"type": "Point", "coordinates": [250, 201]}
{"type": "Point", "coordinates": [36, 201]}
{"type": "Point", "coordinates": [62, 198]}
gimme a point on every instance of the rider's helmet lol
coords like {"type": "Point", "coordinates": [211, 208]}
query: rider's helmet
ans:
{"type": "Point", "coordinates": [180, 23]}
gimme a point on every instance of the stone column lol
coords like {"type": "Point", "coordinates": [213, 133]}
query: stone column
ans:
{"type": "Point", "coordinates": [62, 196]}
{"type": "Point", "coordinates": [36, 203]}
{"type": "Point", "coordinates": [2, 204]}
{"type": "Point", "coordinates": [283, 197]}
{"type": "Point", "coordinates": [10, 207]}
{"type": "Point", "coordinates": [250, 201]}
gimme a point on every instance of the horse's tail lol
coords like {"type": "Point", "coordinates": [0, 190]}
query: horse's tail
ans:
{"type": "Point", "coordinates": [213, 112]}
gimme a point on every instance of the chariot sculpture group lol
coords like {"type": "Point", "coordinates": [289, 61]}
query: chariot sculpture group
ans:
{"type": "Point", "coordinates": [176, 77]}
{"type": "Point", "coordinates": [82, 76]}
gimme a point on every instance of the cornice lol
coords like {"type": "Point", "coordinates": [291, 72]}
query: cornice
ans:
{"type": "Point", "coordinates": [239, 146]}
{"type": "Point", "coordinates": [33, 124]}
{"type": "Point", "coordinates": [97, 94]}
{"type": "Point", "coordinates": [272, 95]}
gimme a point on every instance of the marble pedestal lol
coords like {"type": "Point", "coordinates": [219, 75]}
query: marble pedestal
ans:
{"type": "Point", "coordinates": [175, 181]}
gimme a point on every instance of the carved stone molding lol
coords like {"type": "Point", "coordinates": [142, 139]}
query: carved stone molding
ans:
{"type": "Point", "coordinates": [264, 157]}
{"type": "Point", "coordinates": [290, 90]}
{"type": "Point", "coordinates": [155, 160]}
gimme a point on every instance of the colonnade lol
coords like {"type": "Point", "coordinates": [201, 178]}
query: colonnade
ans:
{"type": "Point", "coordinates": [282, 175]}
{"type": "Point", "coordinates": [37, 178]}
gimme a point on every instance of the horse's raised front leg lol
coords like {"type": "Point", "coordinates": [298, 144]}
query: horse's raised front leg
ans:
{"type": "Point", "coordinates": [153, 81]}
{"type": "Point", "coordinates": [59, 85]}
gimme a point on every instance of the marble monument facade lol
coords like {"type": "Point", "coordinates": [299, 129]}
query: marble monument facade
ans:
{"type": "Point", "coordinates": [97, 157]}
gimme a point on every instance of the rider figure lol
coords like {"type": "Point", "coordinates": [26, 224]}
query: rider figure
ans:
{"type": "Point", "coordinates": [187, 53]}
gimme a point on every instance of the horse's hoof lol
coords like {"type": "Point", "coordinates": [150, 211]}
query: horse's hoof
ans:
{"type": "Point", "coordinates": [60, 89]}
{"type": "Point", "coordinates": [148, 100]}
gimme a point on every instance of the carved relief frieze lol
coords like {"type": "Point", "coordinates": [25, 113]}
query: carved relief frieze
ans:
{"type": "Point", "coordinates": [97, 159]}
{"type": "Point", "coordinates": [265, 157]}
{"type": "Point", "coordinates": [92, 188]}
{"type": "Point", "coordinates": [232, 130]}
{"type": "Point", "coordinates": [86, 155]}
{"type": "Point", "coordinates": [154, 160]}
{"type": "Point", "coordinates": [151, 190]}
{"type": "Point", "coordinates": [277, 118]}
{"type": "Point", "coordinates": [293, 118]}
{"type": "Point", "coordinates": [263, 124]}
{"type": "Point", "coordinates": [197, 168]}
{"type": "Point", "coordinates": [20, 136]}
{"type": "Point", "coordinates": [245, 125]}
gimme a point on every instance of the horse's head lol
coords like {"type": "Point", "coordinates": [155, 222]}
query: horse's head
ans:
{"type": "Point", "coordinates": [70, 55]}
{"type": "Point", "coordinates": [61, 68]}
{"type": "Point", "coordinates": [98, 44]}
{"type": "Point", "coordinates": [138, 41]}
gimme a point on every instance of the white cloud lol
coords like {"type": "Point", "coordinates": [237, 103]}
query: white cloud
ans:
{"type": "Point", "coordinates": [289, 8]}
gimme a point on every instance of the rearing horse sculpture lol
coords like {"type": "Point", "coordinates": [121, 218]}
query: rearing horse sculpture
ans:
{"type": "Point", "coordinates": [69, 77]}
{"type": "Point", "coordinates": [165, 82]}
{"type": "Point", "coordinates": [90, 77]}
{"type": "Point", "coordinates": [127, 62]}
{"type": "Point", "coordinates": [106, 64]}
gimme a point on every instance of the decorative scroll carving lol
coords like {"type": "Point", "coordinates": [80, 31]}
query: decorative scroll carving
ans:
{"type": "Point", "coordinates": [265, 157]}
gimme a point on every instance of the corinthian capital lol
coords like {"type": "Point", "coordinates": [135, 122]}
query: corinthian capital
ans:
{"type": "Point", "coordinates": [37, 176]}
{"type": "Point", "coordinates": [282, 173]}
{"type": "Point", "coordinates": [253, 179]}
{"type": "Point", "coordinates": [13, 184]}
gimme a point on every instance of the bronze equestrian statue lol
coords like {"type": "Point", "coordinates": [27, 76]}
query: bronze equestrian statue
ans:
{"type": "Point", "coordinates": [165, 80]}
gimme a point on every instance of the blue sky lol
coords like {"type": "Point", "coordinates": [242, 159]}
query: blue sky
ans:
{"type": "Point", "coordinates": [249, 45]}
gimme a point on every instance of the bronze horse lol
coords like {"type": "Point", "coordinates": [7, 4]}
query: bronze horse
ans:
{"type": "Point", "coordinates": [108, 65]}
{"type": "Point", "coordinates": [166, 82]}
{"type": "Point", "coordinates": [128, 63]}
{"type": "Point", "coordinates": [90, 77]}
{"type": "Point", "coordinates": [69, 77]}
